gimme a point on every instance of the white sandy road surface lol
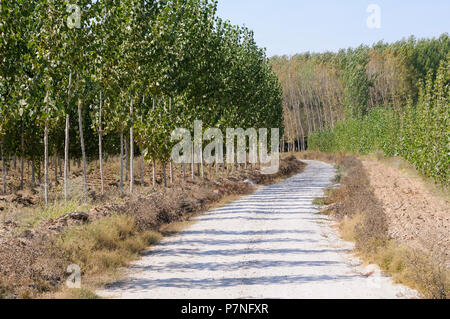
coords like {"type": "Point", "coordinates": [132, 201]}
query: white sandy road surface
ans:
{"type": "Point", "coordinates": [271, 244]}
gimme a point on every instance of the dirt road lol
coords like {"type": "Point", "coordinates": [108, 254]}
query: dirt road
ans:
{"type": "Point", "coordinates": [271, 244]}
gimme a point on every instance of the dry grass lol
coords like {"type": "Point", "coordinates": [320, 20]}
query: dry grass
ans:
{"type": "Point", "coordinates": [363, 221]}
{"type": "Point", "coordinates": [348, 225]}
{"type": "Point", "coordinates": [82, 293]}
{"type": "Point", "coordinates": [105, 244]}
{"type": "Point", "coordinates": [407, 266]}
{"type": "Point", "coordinates": [32, 216]}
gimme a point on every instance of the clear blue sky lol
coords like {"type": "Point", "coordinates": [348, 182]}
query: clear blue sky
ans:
{"type": "Point", "coordinates": [296, 26]}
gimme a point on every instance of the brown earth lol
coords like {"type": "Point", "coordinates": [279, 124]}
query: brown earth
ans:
{"type": "Point", "coordinates": [415, 215]}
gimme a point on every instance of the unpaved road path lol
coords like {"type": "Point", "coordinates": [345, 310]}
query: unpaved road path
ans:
{"type": "Point", "coordinates": [271, 244]}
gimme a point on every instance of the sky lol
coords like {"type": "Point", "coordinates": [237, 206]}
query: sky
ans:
{"type": "Point", "coordinates": [286, 27]}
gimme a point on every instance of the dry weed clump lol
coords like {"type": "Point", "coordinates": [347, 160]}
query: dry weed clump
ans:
{"type": "Point", "coordinates": [105, 244]}
{"type": "Point", "coordinates": [357, 198]}
{"type": "Point", "coordinates": [30, 266]}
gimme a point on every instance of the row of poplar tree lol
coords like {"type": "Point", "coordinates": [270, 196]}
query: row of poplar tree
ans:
{"type": "Point", "coordinates": [80, 78]}
{"type": "Point", "coordinates": [389, 97]}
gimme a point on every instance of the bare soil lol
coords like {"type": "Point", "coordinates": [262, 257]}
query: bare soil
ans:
{"type": "Point", "coordinates": [415, 215]}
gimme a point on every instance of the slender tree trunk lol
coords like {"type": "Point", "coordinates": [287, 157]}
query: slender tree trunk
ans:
{"type": "Point", "coordinates": [55, 161]}
{"type": "Point", "coordinates": [193, 162]}
{"type": "Point", "coordinates": [131, 149]}
{"type": "Point", "coordinates": [66, 142]}
{"type": "Point", "coordinates": [83, 151]}
{"type": "Point", "coordinates": [291, 120]}
{"type": "Point", "coordinates": [142, 152]}
{"type": "Point", "coordinates": [311, 118]}
{"type": "Point", "coordinates": [66, 158]}
{"type": "Point", "coordinates": [100, 147]}
{"type": "Point", "coordinates": [22, 139]}
{"type": "Point", "coordinates": [3, 167]}
{"type": "Point", "coordinates": [320, 112]}
{"type": "Point", "coordinates": [297, 139]}
{"type": "Point", "coordinates": [301, 128]}
{"type": "Point", "coordinates": [60, 167]}
{"type": "Point", "coordinates": [121, 161]}
{"type": "Point", "coordinates": [39, 173]}
{"type": "Point", "coordinates": [142, 167]}
{"type": "Point", "coordinates": [289, 126]}
{"type": "Point", "coordinates": [329, 103]}
{"type": "Point", "coordinates": [302, 133]}
{"type": "Point", "coordinates": [33, 172]}
{"type": "Point", "coordinates": [46, 162]}
{"type": "Point", "coordinates": [171, 172]}
{"type": "Point", "coordinates": [127, 168]}
{"type": "Point", "coordinates": [306, 112]}
{"type": "Point", "coordinates": [164, 175]}
{"type": "Point", "coordinates": [154, 174]}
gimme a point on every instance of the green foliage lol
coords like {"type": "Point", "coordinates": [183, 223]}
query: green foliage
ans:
{"type": "Point", "coordinates": [356, 82]}
{"type": "Point", "coordinates": [176, 61]}
{"type": "Point", "coordinates": [420, 132]}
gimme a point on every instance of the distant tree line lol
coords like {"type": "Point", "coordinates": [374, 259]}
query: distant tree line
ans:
{"type": "Point", "coordinates": [389, 97]}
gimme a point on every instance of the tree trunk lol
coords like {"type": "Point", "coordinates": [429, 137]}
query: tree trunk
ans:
{"type": "Point", "coordinates": [131, 150]}
{"type": "Point", "coordinates": [301, 127]}
{"type": "Point", "coordinates": [297, 138]}
{"type": "Point", "coordinates": [22, 153]}
{"type": "Point", "coordinates": [55, 161]}
{"type": "Point", "coordinates": [46, 162]}
{"type": "Point", "coordinates": [127, 168]}
{"type": "Point", "coordinates": [33, 172]}
{"type": "Point", "coordinates": [3, 168]}
{"type": "Point", "coordinates": [100, 148]}
{"type": "Point", "coordinates": [39, 173]}
{"type": "Point", "coordinates": [60, 167]}
{"type": "Point", "coordinates": [164, 175]}
{"type": "Point", "coordinates": [121, 161]}
{"type": "Point", "coordinates": [193, 162]}
{"type": "Point", "coordinates": [142, 168]}
{"type": "Point", "coordinates": [66, 157]}
{"type": "Point", "coordinates": [83, 151]}
{"type": "Point", "coordinates": [171, 172]}
{"type": "Point", "coordinates": [154, 174]}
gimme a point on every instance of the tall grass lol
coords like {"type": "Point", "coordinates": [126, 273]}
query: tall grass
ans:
{"type": "Point", "coordinates": [105, 244]}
